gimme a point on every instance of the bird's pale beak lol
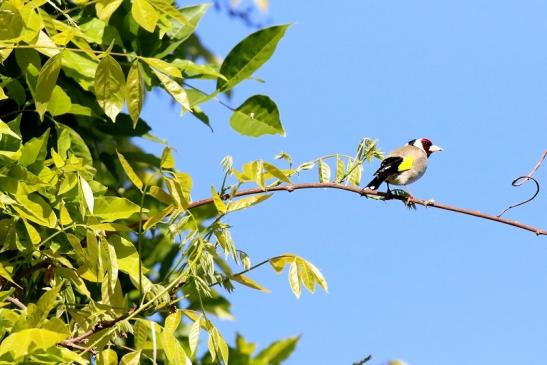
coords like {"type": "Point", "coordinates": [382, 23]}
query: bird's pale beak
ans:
{"type": "Point", "coordinates": [434, 148]}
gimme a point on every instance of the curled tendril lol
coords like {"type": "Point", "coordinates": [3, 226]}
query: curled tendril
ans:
{"type": "Point", "coordinates": [522, 179]}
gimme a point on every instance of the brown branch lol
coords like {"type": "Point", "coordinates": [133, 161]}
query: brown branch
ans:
{"type": "Point", "coordinates": [72, 342]}
{"type": "Point", "coordinates": [360, 191]}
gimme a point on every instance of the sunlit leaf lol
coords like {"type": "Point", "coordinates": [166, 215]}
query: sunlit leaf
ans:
{"type": "Point", "coordinates": [130, 172]}
{"type": "Point", "coordinates": [246, 202]}
{"type": "Point", "coordinates": [46, 83]}
{"type": "Point", "coordinates": [112, 208]}
{"type": "Point", "coordinates": [294, 280]}
{"type": "Point", "coordinates": [324, 171]}
{"type": "Point", "coordinates": [135, 91]}
{"type": "Point", "coordinates": [11, 22]}
{"type": "Point", "coordinates": [110, 86]}
{"type": "Point", "coordinates": [132, 358]}
{"type": "Point", "coordinates": [219, 203]}
{"type": "Point", "coordinates": [244, 280]}
{"type": "Point", "coordinates": [163, 66]}
{"type": "Point", "coordinates": [193, 337]}
{"type": "Point", "coordinates": [174, 88]}
{"type": "Point", "coordinates": [257, 116]}
{"type": "Point", "coordinates": [248, 55]}
{"type": "Point", "coordinates": [87, 194]}
{"type": "Point", "coordinates": [144, 14]}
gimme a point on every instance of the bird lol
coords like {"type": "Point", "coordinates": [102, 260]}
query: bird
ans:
{"type": "Point", "coordinates": [404, 165]}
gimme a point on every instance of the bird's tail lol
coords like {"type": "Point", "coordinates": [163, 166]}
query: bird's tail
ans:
{"type": "Point", "coordinates": [375, 183]}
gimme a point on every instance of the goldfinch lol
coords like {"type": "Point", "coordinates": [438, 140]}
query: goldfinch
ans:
{"type": "Point", "coordinates": [404, 165]}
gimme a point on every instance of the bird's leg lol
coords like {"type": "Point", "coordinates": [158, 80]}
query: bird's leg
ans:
{"type": "Point", "coordinates": [389, 194]}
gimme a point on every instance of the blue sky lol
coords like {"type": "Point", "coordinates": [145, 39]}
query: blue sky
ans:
{"type": "Point", "coordinates": [426, 286]}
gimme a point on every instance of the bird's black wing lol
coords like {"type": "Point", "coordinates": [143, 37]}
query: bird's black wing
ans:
{"type": "Point", "coordinates": [388, 167]}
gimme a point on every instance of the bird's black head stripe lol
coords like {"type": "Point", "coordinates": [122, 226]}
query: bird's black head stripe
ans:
{"type": "Point", "coordinates": [411, 143]}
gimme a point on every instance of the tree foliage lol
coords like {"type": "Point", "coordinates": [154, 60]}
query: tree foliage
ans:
{"type": "Point", "coordinates": [98, 235]}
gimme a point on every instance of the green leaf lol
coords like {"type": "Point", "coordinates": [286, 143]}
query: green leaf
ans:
{"type": "Point", "coordinates": [132, 358]}
{"type": "Point", "coordinates": [163, 66]}
{"type": "Point", "coordinates": [144, 14]}
{"type": "Point", "coordinates": [105, 8]}
{"type": "Point", "coordinates": [111, 208]}
{"type": "Point", "coordinates": [26, 341]}
{"type": "Point", "coordinates": [167, 161]}
{"type": "Point", "coordinates": [324, 171]}
{"type": "Point", "coordinates": [173, 349]}
{"type": "Point", "coordinates": [59, 103]}
{"type": "Point", "coordinates": [135, 91]}
{"type": "Point", "coordinates": [216, 344]}
{"type": "Point", "coordinates": [87, 194]}
{"type": "Point", "coordinates": [246, 202]}
{"type": "Point", "coordinates": [35, 209]}
{"type": "Point", "coordinates": [46, 83]}
{"type": "Point", "coordinates": [34, 151]}
{"type": "Point", "coordinates": [6, 274]}
{"type": "Point", "coordinates": [219, 203]}
{"type": "Point", "coordinates": [277, 352]}
{"type": "Point", "coordinates": [166, 8]}
{"type": "Point", "coordinates": [277, 173]}
{"type": "Point", "coordinates": [16, 91]}
{"type": "Point", "coordinates": [172, 322]}
{"type": "Point", "coordinates": [181, 31]}
{"type": "Point", "coordinates": [11, 22]}
{"type": "Point", "coordinates": [248, 55]}
{"type": "Point", "coordinates": [45, 304]}
{"type": "Point", "coordinates": [174, 88]}
{"type": "Point", "coordinates": [257, 116]}
{"type": "Point", "coordinates": [294, 281]}
{"type": "Point", "coordinates": [192, 69]}
{"type": "Point", "coordinates": [340, 170]}
{"type": "Point", "coordinates": [107, 357]}
{"type": "Point", "coordinates": [193, 336]}
{"type": "Point", "coordinates": [130, 172]}
{"type": "Point", "coordinates": [244, 280]}
{"type": "Point", "coordinates": [3, 95]}
{"type": "Point", "coordinates": [109, 86]}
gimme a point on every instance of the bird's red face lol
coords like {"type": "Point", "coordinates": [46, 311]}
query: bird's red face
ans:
{"type": "Point", "coordinates": [428, 146]}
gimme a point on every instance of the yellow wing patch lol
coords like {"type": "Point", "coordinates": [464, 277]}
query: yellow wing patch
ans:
{"type": "Point", "coordinates": [406, 164]}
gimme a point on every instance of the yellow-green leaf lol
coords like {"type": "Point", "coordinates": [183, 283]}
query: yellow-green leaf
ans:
{"type": "Point", "coordinates": [132, 358]}
{"type": "Point", "coordinates": [294, 282]}
{"type": "Point", "coordinates": [107, 357]}
{"type": "Point", "coordinates": [246, 202]}
{"type": "Point", "coordinates": [257, 116]}
{"type": "Point", "coordinates": [167, 160]}
{"type": "Point", "coordinates": [130, 172]}
{"type": "Point", "coordinates": [46, 83]}
{"type": "Point", "coordinates": [277, 173]}
{"type": "Point", "coordinates": [110, 86]}
{"type": "Point", "coordinates": [244, 280]}
{"type": "Point", "coordinates": [193, 337]}
{"type": "Point", "coordinates": [144, 14]}
{"type": "Point", "coordinates": [135, 92]}
{"type": "Point", "coordinates": [33, 233]}
{"type": "Point", "coordinates": [163, 66]}
{"type": "Point", "coordinates": [111, 208]}
{"type": "Point", "coordinates": [248, 55]}
{"type": "Point", "coordinates": [105, 8]}
{"type": "Point", "coordinates": [11, 22]}
{"type": "Point", "coordinates": [6, 275]}
{"type": "Point", "coordinates": [219, 203]}
{"type": "Point", "coordinates": [173, 349]}
{"type": "Point", "coordinates": [23, 342]}
{"type": "Point", "coordinates": [5, 129]}
{"type": "Point", "coordinates": [174, 88]}
{"type": "Point", "coordinates": [87, 194]}
{"type": "Point", "coordinates": [156, 218]}
{"type": "Point", "coordinates": [324, 171]}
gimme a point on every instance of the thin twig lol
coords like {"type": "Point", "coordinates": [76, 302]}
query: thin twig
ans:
{"type": "Point", "coordinates": [16, 302]}
{"type": "Point", "coordinates": [522, 179]}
